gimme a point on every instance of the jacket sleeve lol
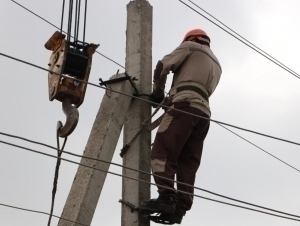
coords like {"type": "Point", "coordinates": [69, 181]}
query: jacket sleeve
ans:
{"type": "Point", "coordinates": [170, 62]}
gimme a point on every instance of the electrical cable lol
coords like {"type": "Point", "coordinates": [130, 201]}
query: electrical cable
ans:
{"type": "Point", "coordinates": [259, 148]}
{"type": "Point", "coordinates": [106, 57]}
{"type": "Point", "coordinates": [144, 172]}
{"type": "Point", "coordinates": [281, 64]}
{"type": "Point", "coordinates": [40, 212]}
{"type": "Point", "coordinates": [242, 37]}
{"type": "Point", "coordinates": [146, 94]}
{"type": "Point", "coordinates": [142, 99]}
{"type": "Point", "coordinates": [124, 67]}
{"type": "Point", "coordinates": [220, 122]}
{"type": "Point", "coordinates": [70, 21]}
{"type": "Point", "coordinates": [175, 109]}
{"type": "Point", "coordinates": [76, 21]}
{"type": "Point", "coordinates": [62, 16]}
{"type": "Point", "coordinates": [84, 27]}
{"type": "Point", "coordinates": [269, 58]}
{"type": "Point", "coordinates": [143, 181]}
{"type": "Point", "coordinates": [58, 161]}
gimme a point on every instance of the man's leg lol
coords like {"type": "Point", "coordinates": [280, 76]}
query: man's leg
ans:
{"type": "Point", "coordinates": [189, 161]}
{"type": "Point", "coordinates": [171, 136]}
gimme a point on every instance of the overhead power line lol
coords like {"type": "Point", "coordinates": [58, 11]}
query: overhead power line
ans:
{"type": "Point", "coordinates": [223, 25]}
{"type": "Point", "coordinates": [40, 212]}
{"type": "Point", "coordinates": [211, 120]}
{"type": "Point", "coordinates": [81, 156]}
{"type": "Point", "coordinates": [144, 172]}
{"type": "Point", "coordinates": [161, 105]}
{"type": "Point", "coordinates": [53, 25]}
{"type": "Point", "coordinates": [259, 148]}
{"type": "Point", "coordinates": [242, 37]}
{"type": "Point", "coordinates": [143, 181]}
{"type": "Point", "coordinates": [284, 140]}
{"type": "Point", "coordinates": [243, 40]}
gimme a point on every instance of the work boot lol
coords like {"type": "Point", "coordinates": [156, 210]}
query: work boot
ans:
{"type": "Point", "coordinates": [165, 218]}
{"type": "Point", "coordinates": [162, 205]}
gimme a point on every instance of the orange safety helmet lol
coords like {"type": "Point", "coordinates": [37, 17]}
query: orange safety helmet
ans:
{"type": "Point", "coordinates": [196, 32]}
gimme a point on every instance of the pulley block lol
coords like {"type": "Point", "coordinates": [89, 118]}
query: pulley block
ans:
{"type": "Point", "coordinates": [73, 60]}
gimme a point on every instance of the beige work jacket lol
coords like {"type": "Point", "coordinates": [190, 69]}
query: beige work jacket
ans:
{"type": "Point", "coordinates": [191, 63]}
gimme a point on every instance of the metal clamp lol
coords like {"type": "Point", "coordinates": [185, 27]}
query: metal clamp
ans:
{"type": "Point", "coordinates": [121, 79]}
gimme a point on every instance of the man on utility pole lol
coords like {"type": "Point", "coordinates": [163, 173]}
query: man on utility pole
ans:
{"type": "Point", "coordinates": [179, 140]}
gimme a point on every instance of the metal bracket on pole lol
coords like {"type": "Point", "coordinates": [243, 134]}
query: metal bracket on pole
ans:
{"type": "Point", "coordinates": [121, 79]}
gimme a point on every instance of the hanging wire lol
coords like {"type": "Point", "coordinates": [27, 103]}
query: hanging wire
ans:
{"type": "Point", "coordinates": [62, 16]}
{"type": "Point", "coordinates": [58, 161]}
{"type": "Point", "coordinates": [147, 173]}
{"type": "Point", "coordinates": [36, 15]}
{"type": "Point", "coordinates": [242, 37]}
{"type": "Point", "coordinates": [70, 21]}
{"type": "Point", "coordinates": [278, 64]}
{"type": "Point", "coordinates": [143, 181]}
{"type": "Point", "coordinates": [267, 54]}
{"type": "Point", "coordinates": [76, 22]}
{"type": "Point", "coordinates": [84, 26]}
{"type": "Point", "coordinates": [289, 165]}
{"type": "Point", "coordinates": [40, 212]}
{"type": "Point", "coordinates": [106, 57]}
{"type": "Point", "coordinates": [295, 74]}
{"type": "Point", "coordinates": [142, 99]}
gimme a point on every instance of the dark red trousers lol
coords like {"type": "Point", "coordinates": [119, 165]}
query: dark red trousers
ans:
{"type": "Point", "coordinates": [177, 150]}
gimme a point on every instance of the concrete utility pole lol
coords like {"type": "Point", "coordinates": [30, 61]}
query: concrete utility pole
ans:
{"type": "Point", "coordinates": [88, 183]}
{"type": "Point", "coordinates": [139, 65]}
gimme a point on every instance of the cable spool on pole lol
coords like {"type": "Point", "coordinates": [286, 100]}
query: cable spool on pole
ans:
{"type": "Point", "coordinates": [73, 58]}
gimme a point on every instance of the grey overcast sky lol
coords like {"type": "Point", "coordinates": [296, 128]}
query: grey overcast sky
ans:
{"type": "Point", "coordinates": [253, 93]}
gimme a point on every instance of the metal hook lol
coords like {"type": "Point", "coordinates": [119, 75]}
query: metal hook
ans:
{"type": "Point", "coordinates": [72, 117]}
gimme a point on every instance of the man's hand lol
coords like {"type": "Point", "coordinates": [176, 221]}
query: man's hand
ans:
{"type": "Point", "coordinates": [152, 98]}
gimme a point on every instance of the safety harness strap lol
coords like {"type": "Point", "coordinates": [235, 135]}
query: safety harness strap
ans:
{"type": "Point", "coordinates": [190, 86]}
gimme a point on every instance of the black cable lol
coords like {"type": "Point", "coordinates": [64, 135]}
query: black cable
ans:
{"type": "Point", "coordinates": [76, 21]}
{"type": "Point", "coordinates": [70, 21]}
{"type": "Point", "coordinates": [242, 37]}
{"type": "Point", "coordinates": [295, 74]}
{"type": "Point", "coordinates": [40, 212]}
{"type": "Point", "coordinates": [62, 15]}
{"type": "Point", "coordinates": [161, 105]}
{"type": "Point", "coordinates": [36, 15]}
{"type": "Point", "coordinates": [143, 181]}
{"type": "Point", "coordinates": [84, 26]}
{"type": "Point", "coordinates": [58, 161]}
{"type": "Point", "coordinates": [110, 59]}
{"type": "Point", "coordinates": [147, 173]}
{"type": "Point", "coordinates": [66, 32]}
{"type": "Point", "coordinates": [158, 104]}
{"type": "Point", "coordinates": [260, 148]}
{"type": "Point", "coordinates": [221, 125]}
{"type": "Point", "coordinates": [79, 10]}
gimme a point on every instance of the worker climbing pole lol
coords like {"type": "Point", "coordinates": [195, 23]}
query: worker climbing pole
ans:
{"type": "Point", "coordinates": [70, 65]}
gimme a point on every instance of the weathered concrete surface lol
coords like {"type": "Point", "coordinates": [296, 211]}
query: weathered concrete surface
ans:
{"type": "Point", "coordinates": [139, 65]}
{"type": "Point", "coordinates": [88, 183]}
